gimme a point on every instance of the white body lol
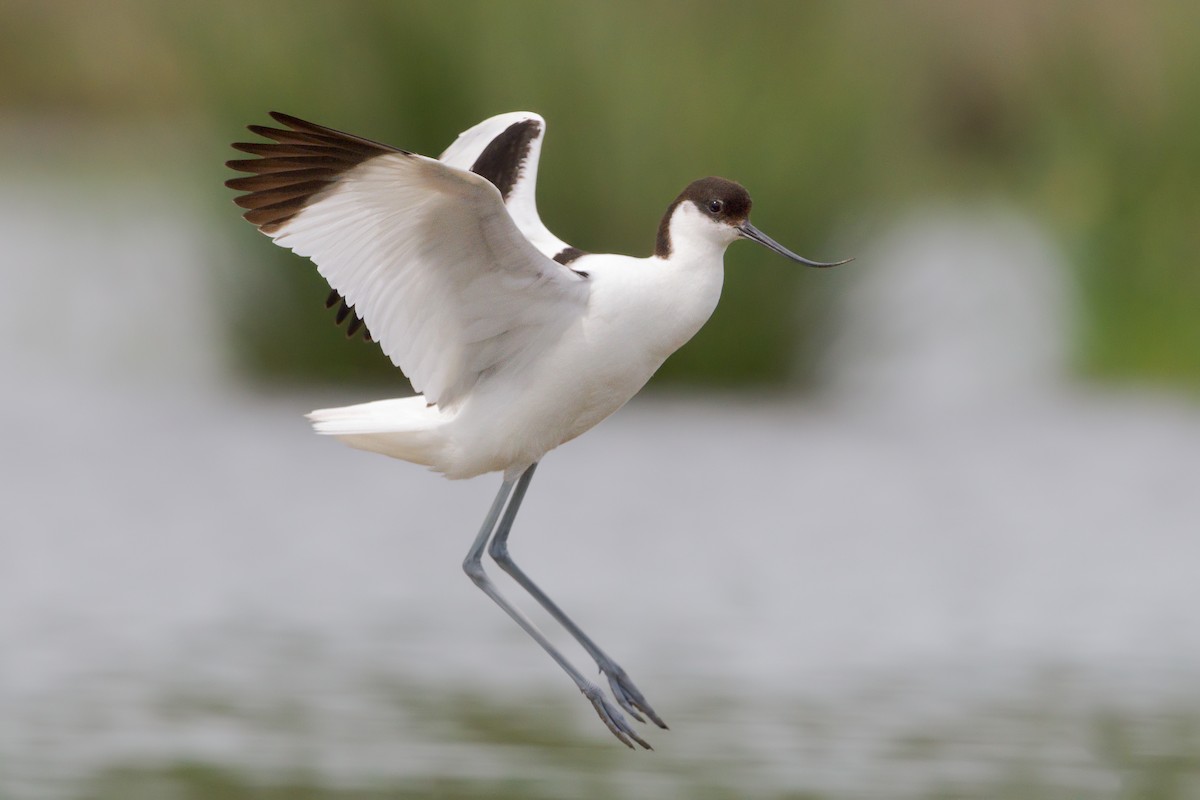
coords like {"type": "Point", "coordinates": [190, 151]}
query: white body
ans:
{"type": "Point", "coordinates": [638, 311]}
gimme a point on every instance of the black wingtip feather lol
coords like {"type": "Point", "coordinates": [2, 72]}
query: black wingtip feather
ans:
{"type": "Point", "coordinates": [295, 167]}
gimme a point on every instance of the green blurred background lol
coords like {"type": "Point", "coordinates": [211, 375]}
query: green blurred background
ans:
{"type": "Point", "coordinates": [836, 116]}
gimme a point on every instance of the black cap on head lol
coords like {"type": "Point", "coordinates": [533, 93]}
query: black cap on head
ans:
{"type": "Point", "coordinates": [721, 199]}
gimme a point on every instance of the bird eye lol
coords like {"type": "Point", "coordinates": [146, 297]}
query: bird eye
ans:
{"type": "Point", "coordinates": [715, 206]}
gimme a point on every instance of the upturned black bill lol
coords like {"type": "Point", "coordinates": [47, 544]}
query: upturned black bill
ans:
{"type": "Point", "coordinates": [752, 233]}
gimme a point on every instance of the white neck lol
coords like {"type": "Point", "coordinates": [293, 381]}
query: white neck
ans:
{"type": "Point", "coordinates": [695, 237]}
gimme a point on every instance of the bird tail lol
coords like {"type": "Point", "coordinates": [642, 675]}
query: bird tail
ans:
{"type": "Point", "coordinates": [407, 428]}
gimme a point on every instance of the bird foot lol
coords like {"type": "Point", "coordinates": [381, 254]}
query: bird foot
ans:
{"type": "Point", "coordinates": [628, 695]}
{"type": "Point", "coordinates": [612, 718]}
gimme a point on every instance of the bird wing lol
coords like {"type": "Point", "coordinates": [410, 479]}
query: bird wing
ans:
{"type": "Point", "coordinates": [505, 149]}
{"type": "Point", "coordinates": [425, 253]}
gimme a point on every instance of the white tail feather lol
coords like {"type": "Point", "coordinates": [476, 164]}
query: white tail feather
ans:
{"type": "Point", "coordinates": [407, 428]}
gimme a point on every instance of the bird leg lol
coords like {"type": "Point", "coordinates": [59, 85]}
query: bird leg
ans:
{"type": "Point", "coordinates": [623, 689]}
{"type": "Point", "coordinates": [473, 566]}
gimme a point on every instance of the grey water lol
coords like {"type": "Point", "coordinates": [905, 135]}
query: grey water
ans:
{"type": "Point", "coordinates": [951, 571]}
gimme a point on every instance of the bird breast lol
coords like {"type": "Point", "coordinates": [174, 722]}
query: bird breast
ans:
{"type": "Point", "coordinates": [637, 315]}
{"type": "Point", "coordinates": [639, 312]}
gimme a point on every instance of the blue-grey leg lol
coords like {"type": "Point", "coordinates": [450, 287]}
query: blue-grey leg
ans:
{"type": "Point", "coordinates": [473, 566]}
{"type": "Point", "coordinates": [622, 687]}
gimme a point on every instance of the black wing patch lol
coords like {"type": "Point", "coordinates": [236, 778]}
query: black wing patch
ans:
{"type": "Point", "coordinates": [503, 159]}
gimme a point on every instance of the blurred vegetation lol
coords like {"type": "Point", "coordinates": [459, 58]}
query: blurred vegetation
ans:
{"type": "Point", "coordinates": [1019, 750]}
{"type": "Point", "coordinates": [837, 116]}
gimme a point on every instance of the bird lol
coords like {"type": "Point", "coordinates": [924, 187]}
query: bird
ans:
{"type": "Point", "coordinates": [514, 341]}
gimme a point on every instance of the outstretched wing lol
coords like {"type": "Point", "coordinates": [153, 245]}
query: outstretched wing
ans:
{"type": "Point", "coordinates": [425, 253]}
{"type": "Point", "coordinates": [505, 149]}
